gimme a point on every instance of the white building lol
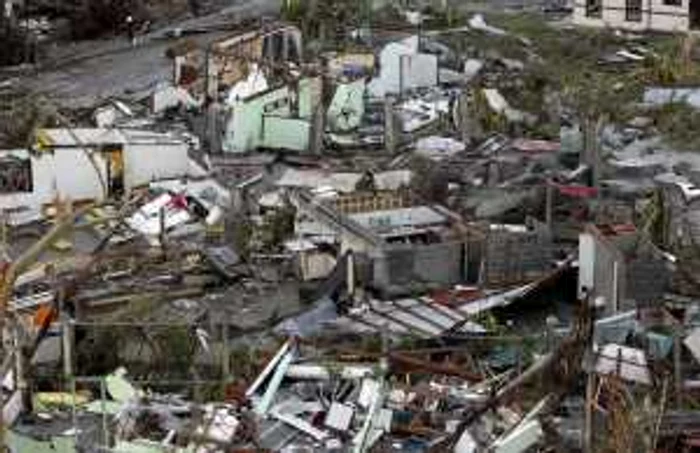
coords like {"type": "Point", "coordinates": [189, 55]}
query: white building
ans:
{"type": "Point", "coordinates": [62, 166]}
{"type": "Point", "coordinates": [403, 67]}
{"type": "Point", "coordinates": [639, 15]}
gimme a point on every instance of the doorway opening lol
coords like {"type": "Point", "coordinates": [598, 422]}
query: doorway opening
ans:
{"type": "Point", "coordinates": [694, 14]}
{"type": "Point", "coordinates": [114, 156]}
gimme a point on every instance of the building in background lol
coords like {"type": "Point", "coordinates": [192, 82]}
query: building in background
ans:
{"type": "Point", "coordinates": [638, 15]}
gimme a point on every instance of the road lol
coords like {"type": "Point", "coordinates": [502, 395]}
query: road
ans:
{"type": "Point", "coordinates": [113, 68]}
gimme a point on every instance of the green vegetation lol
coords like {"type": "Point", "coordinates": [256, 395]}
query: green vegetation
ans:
{"type": "Point", "coordinates": [21, 114]}
{"type": "Point", "coordinates": [429, 183]}
{"type": "Point", "coordinates": [678, 124]}
{"type": "Point", "coordinates": [278, 227]}
{"type": "Point", "coordinates": [240, 230]}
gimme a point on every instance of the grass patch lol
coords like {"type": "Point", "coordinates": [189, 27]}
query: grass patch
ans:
{"type": "Point", "coordinates": [678, 124]}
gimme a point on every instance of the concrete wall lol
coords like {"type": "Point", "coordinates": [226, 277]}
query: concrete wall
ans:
{"type": "Point", "coordinates": [623, 281]}
{"type": "Point", "coordinates": [266, 120]}
{"type": "Point", "coordinates": [351, 241]}
{"type": "Point", "coordinates": [402, 67]}
{"type": "Point", "coordinates": [646, 282]}
{"type": "Point", "coordinates": [67, 173]}
{"type": "Point", "coordinates": [586, 263]}
{"type": "Point", "coordinates": [144, 163]}
{"type": "Point", "coordinates": [602, 270]}
{"type": "Point", "coordinates": [315, 219]}
{"type": "Point", "coordinates": [407, 265]}
{"type": "Point", "coordinates": [516, 257]}
{"type": "Point", "coordinates": [655, 16]}
{"type": "Point", "coordinates": [609, 272]}
{"type": "Point", "coordinates": [314, 265]}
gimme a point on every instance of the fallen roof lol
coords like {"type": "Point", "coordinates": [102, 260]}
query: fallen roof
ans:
{"type": "Point", "coordinates": [344, 182]}
{"type": "Point", "coordinates": [66, 137]}
{"type": "Point", "coordinates": [417, 216]}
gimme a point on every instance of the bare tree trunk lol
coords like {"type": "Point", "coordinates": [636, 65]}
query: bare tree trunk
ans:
{"type": "Point", "coordinates": [390, 130]}
{"type": "Point", "coordinates": [591, 147]}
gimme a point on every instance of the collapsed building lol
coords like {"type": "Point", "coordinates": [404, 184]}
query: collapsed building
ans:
{"type": "Point", "coordinates": [373, 251]}
{"type": "Point", "coordinates": [90, 165]}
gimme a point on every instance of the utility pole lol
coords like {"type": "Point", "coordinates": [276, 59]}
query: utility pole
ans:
{"type": "Point", "coordinates": [390, 132]}
{"type": "Point", "coordinates": [589, 360]}
{"type": "Point", "coordinates": [4, 225]}
{"type": "Point", "coordinates": [68, 327]}
{"type": "Point", "coordinates": [463, 116]}
{"type": "Point", "coordinates": [161, 234]}
{"type": "Point", "coordinates": [549, 205]}
{"type": "Point", "coordinates": [225, 356]}
{"type": "Point", "coordinates": [317, 129]}
{"type": "Point", "coordinates": [677, 367]}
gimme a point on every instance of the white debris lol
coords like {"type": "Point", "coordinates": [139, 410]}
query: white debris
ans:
{"type": "Point", "coordinates": [147, 219]}
{"type": "Point", "coordinates": [438, 148]}
{"type": "Point", "coordinates": [520, 439]}
{"type": "Point", "coordinates": [466, 443]}
{"type": "Point", "coordinates": [477, 22]}
{"type": "Point", "coordinates": [301, 425]}
{"type": "Point", "coordinates": [472, 67]}
{"type": "Point", "coordinates": [692, 342]}
{"type": "Point", "coordinates": [629, 363]}
{"type": "Point", "coordinates": [12, 408]}
{"type": "Point", "coordinates": [339, 416]}
{"type": "Point", "coordinates": [299, 371]}
{"type": "Point", "coordinates": [220, 425]}
{"type": "Point", "coordinates": [499, 105]}
{"type": "Point", "coordinates": [255, 83]}
{"type": "Point", "coordinates": [167, 97]}
{"type": "Point", "coordinates": [629, 55]}
{"type": "Point", "coordinates": [416, 114]}
{"type": "Point", "coordinates": [414, 17]}
{"type": "Point", "coordinates": [118, 387]}
{"type": "Point", "coordinates": [368, 392]}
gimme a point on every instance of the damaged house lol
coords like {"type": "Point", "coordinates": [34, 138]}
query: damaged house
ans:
{"type": "Point", "coordinates": [422, 246]}
{"type": "Point", "coordinates": [275, 118]}
{"type": "Point", "coordinates": [292, 116]}
{"type": "Point", "coordinates": [227, 61]}
{"type": "Point", "coordinates": [89, 164]}
{"type": "Point", "coordinates": [619, 268]}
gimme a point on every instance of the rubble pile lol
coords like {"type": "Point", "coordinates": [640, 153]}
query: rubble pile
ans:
{"type": "Point", "coordinates": [438, 231]}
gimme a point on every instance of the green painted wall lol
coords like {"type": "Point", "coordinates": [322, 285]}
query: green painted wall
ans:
{"type": "Point", "coordinates": [244, 131]}
{"type": "Point", "coordinates": [265, 120]}
{"type": "Point", "coordinates": [286, 133]}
